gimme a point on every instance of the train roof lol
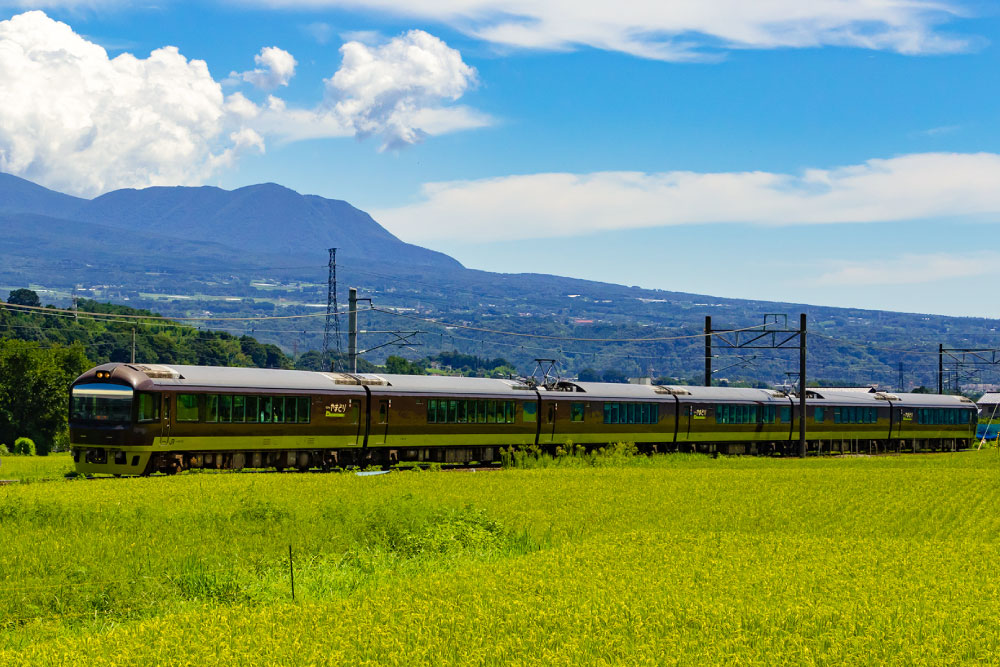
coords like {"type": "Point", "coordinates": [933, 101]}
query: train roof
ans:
{"type": "Point", "coordinates": [449, 384]}
{"type": "Point", "coordinates": [662, 392]}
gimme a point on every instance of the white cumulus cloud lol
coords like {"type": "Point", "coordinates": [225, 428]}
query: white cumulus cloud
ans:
{"type": "Point", "coordinates": [908, 187]}
{"type": "Point", "coordinates": [75, 120]}
{"type": "Point", "coordinates": [275, 67]}
{"type": "Point", "coordinates": [395, 90]}
{"type": "Point", "coordinates": [681, 30]}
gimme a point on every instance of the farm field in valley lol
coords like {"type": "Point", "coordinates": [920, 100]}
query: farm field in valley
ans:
{"type": "Point", "coordinates": [674, 558]}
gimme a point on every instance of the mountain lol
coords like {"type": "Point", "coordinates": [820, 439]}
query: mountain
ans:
{"type": "Point", "coordinates": [265, 219]}
{"type": "Point", "coordinates": [20, 196]}
{"type": "Point", "coordinates": [261, 251]}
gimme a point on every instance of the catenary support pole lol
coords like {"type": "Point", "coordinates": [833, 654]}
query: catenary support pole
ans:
{"type": "Point", "coordinates": [352, 326]}
{"type": "Point", "coordinates": [802, 385]}
{"type": "Point", "coordinates": [940, 368]}
{"type": "Point", "coordinates": [708, 350]}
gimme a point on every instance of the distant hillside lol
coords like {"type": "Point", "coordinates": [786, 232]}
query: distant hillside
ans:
{"type": "Point", "coordinates": [261, 251]}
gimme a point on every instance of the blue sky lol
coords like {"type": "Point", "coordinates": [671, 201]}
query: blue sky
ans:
{"type": "Point", "coordinates": [842, 152]}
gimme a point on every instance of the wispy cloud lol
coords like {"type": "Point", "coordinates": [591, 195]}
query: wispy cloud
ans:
{"type": "Point", "coordinates": [910, 269]}
{"type": "Point", "coordinates": [939, 131]}
{"type": "Point", "coordinates": [909, 187]}
{"type": "Point", "coordinates": [682, 30]}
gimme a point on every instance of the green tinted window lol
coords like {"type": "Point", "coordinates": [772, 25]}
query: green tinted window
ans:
{"type": "Point", "coordinates": [491, 412]}
{"type": "Point", "coordinates": [253, 409]}
{"type": "Point", "coordinates": [212, 408]}
{"type": "Point", "coordinates": [149, 407]}
{"type": "Point", "coordinates": [529, 412]}
{"type": "Point", "coordinates": [463, 412]}
{"type": "Point", "coordinates": [264, 409]}
{"type": "Point", "coordinates": [239, 409]}
{"type": "Point", "coordinates": [187, 407]}
{"type": "Point", "coordinates": [225, 409]}
{"type": "Point", "coordinates": [452, 412]}
{"type": "Point", "coordinates": [278, 409]}
{"type": "Point", "coordinates": [432, 406]}
{"type": "Point", "coordinates": [576, 412]}
{"type": "Point", "coordinates": [304, 412]}
{"type": "Point", "coordinates": [818, 415]}
{"type": "Point", "coordinates": [786, 415]}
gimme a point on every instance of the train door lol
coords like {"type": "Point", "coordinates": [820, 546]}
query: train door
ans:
{"type": "Point", "coordinates": [550, 415]}
{"type": "Point", "coordinates": [382, 426]}
{"type": "Point", "coordinates": [165, 420]}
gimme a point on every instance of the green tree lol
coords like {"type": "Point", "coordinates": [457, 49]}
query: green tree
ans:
{"type": "Point", "coordinates": [34, 390]}
{"type": "Point", "coordinates": [396, 365]}
{"type": "Point", "coordinates": [24, 297]}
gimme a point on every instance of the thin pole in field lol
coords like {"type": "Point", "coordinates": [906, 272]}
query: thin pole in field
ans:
{"type": "Point", "coordinates": [291, 570]}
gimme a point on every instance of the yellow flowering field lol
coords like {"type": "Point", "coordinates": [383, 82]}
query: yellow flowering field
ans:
{"type": "Point", "coordinates": [670, 559]}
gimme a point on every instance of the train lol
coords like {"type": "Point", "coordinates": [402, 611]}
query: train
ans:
{"type": "Point", "coordinates": [139, 419]}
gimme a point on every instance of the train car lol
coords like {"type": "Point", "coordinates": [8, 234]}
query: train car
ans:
{"type": "Point", "coordinates": [135, 419]}
{"type": "Point", "coordinates": [598, 413]}
{"type": "Point", "coordinates": [932, 421]}
{"type": "Point", "coordinates": [128, 419]}
{"type": "Point", "coordinates": [450, 419]}
{"type": "Point", "coordinates": [734, 420]}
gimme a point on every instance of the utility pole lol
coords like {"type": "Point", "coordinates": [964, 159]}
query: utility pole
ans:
{"type": "Point", "coordinates": [708, 350]}
{"type": "Point", "coordinates": [802, 385]}
{"type": "Point", "coordinates": [332, 314]}
{"type": "Point", "coordinates": [940, 368]}
{"type": "Point", "coordinates": [133, 345]}
{"type": "Point", "coordinates": [352, 330]}
{"type": "Point", "coordinates": [902, 389]}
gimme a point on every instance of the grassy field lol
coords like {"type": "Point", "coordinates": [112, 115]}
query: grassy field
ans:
{"type": "Point", "coordinates": [25, 469]}
{"type": "Point", "coordinates": [674, 559]}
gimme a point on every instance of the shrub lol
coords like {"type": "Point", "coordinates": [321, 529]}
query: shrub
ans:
{"type": "Point", "coordinates": [24, 447]}
{"type": "Point", "coordinates": [3, 450]}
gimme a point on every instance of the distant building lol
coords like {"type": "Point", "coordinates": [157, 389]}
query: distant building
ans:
{"type": "Point", "coordinates": [644, 380]}
{"type": "Point", "coordinates": [988, 404]}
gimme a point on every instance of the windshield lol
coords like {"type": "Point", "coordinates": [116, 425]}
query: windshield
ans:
{"type": "Point", "coordinates": [106, 403]}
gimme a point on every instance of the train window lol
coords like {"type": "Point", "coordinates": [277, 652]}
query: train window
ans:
{"type": "Point", "coordinates": [786, 415]}
{"type": "Point", "coordinates": [432, 411]}
{"type": "Point", "coordinates": [510, 410]}
{"type": "Point", "coordinates": [463, 412]}
{"type": "Point", "coordinates": [239, 408]}
{"type": "Point", "coordinates": [187, 407]}
{"type": "Point", "coordinates": [442, 412]}
{"type": "Point", "coordinates": [212, 408]}
{"type": "Point", "coordinates": [291, 405]}
{"type": "Point", "coordinates": [530, 412]}
{"type": "Point", "coordinates": [264, 409]}
{"type": "Point", "coordinates": [818, 415]}
{"type": "Point", "coordinates": [576, 412]}
{"type": "Point", "coordinates": [491, 412]}
{"type": "Point", "coordinates": [278, 410]}
{"type": "Point", "coordinates": [452, 412]}
{"type": "Point", "coordinates": [149, 407]}
{"type": "Point", "coordinates": [253, 409]}
{"type": "Point", "coordinates": [305, 409]}
{"type": "Point", "coordinates": [225, 409]}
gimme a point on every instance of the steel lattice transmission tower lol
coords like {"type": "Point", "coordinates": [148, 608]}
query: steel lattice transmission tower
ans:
{"type": "Point", "coordinates": [332, 313]}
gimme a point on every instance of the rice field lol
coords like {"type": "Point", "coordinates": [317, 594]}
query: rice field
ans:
{"type": "Point", "coordinates": [662, 560]}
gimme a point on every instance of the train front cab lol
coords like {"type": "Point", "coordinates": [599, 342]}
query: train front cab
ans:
{"type": "Point", "coordinates": [114, 424]}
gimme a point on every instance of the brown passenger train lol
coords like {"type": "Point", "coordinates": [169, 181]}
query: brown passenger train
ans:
{"type": "Point", "coordinates": [133, 419]}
